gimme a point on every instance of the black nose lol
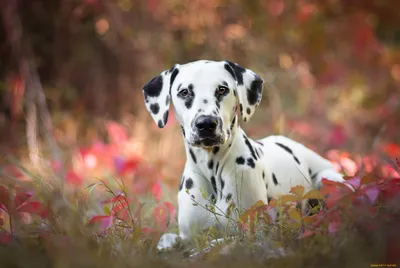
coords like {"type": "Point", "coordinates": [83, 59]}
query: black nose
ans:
{"type": "Point", "coordinates": [206, 124]}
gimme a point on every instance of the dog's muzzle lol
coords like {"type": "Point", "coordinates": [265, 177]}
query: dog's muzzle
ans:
{"type": "Point", "coordinates": [206, 128]}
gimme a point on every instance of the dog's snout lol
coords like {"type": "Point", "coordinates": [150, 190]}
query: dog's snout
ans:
{"type": "Point", "coordinates": [206, 124]}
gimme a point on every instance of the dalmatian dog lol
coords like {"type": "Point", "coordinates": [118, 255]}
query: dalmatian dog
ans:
{"type": "Point", "coordinates": [225, 168]}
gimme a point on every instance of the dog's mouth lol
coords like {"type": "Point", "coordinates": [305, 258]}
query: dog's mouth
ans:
{"type": "Point", "coordinates": [209, 141]}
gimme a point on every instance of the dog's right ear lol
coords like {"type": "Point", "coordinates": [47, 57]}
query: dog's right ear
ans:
{"type": "Point", "coordinates": [157, 95]}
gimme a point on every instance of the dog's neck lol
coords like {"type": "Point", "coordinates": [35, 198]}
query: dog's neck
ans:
{"type": "Point", "coordinates": [206, 159]}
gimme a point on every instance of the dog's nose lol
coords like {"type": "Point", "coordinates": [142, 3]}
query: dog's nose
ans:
{"type": "Point", "coordinates": [206, 124]}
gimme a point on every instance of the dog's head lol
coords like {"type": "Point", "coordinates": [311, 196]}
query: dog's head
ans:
{"type": "Point", "coordinates": [206, 96]}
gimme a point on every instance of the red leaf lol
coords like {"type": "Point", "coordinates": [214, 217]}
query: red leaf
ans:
{"type": "Point", "coordinates": [147, 230]}
{"type": "Point", "coordinates": [171, 209]}
{"type": "Point", "coordinates": [116, 133]}
{"type": "Point", "coordinates": [128, 166]}
{"type": "Point", "coordinates": [104, 221]}
{"type": "Point", "coordinates": [161, 213]}
{"type": "Point", "coordinates": [122, 215]}
{"type": "Point", "coordinates": [34, 207]}
{"type": "Point", "coordinates": [355, 182]}
{"type": "Point", "coordinates": [73, 178]}
{"type": "Point", "coordinates": [5, 238]}
{"type": "Point", "coordinates": [392, 149]}
{"type": "Point", "coordinates": [21, 198]}
{"type": "Point", "coordinates": [333, 199]}
{"type": "Point", "coordinates": [118, 199]}
{"type": "Point", "coordinates": [306, 233]}
{"type": "Point", "coordinates": [157, 191]}
{"type": "Point", "coordinates": [333, 227]}
{"type": "Point", "coordinates": [4, 199]}
{"type": "Point", "coordinates": [372, 193]}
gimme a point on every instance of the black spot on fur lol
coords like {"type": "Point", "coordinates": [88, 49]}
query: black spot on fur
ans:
{"type": "Point", "coordinates": [222, 184]}
{"type": "Point", "coordinates": [155, 108]}
{"type": "Point", "coordinates": [230, 144]}
{"type": "Point", "coordinates": [259, 142]}
{"type": "Point", "coordinates": [224, 83]}
{"type": "Point", "coordinates": [228, 197]}
{"type": "Point", "coordinates": [193, 197]}
{"type": "Point", "coordinates": [263, 174]}
{"type": "Point", "coordinates": [254, 93]}
{"type": "Point", "coordinates": [190, 87]}
{"type": "Point", "coordinates": [215, 150]}
{"type": "Point", "coordinates": [183, 131]}
{"type": "Point", "coordinates": [153, 87]}
{"type": "Point", "coordinates": [216, 168]}
{"type": "Point", "coordinates": [193, 156]}
{"type": "Point", "coordinates": [296, 159]}
{"type": "Point", "coordinates": [240, 160]}
{"type": "Point", "coordinates": [165, 117]}
{"type": "Point", "coordinates": [210, 164]}
{"type": "Point", "coordinates": [160, 124]}
{"type": "Point", "coordinates": [181, 184]}
{"type": "Point", "coordinates": [173, 76]}
{"type": "Point", "coordinates": [309, 171]}
{"type": "Point", "coordinates": [274, 179]}
{"type": "Point", "coordinates": [237, 71]}
{"type": "Point", "coordinates": [218, 105]}
{"type": "Point", "coordinates": [205, 101]}
{"type": "Point", "coordinates": [234, 93]}
{"type": "Point", "coordinates": [241, 108]}
{"type": "Point", "coordinates": [250, 163]}
{"type": "Point", "coordinates": [284, 147]}
{"type": "Point", "coordinates": [167, 100]}
{"type": "Point", "coordinates": [213, 199]}
{"type": "Point", "coordinates": [172, 69]}
{"type": "Point", "coordinates": [189, 184]}
{"type": "Point", "coordinates": [214, 184]}
{"type": "Point", "coordinates": [314, 176]}
{"type": "Point", "coordinates": [248, 110]}
{"type": "Point", "coordinates": [247, 141]}
{"type": "Point", "coordinates": [233, 122]}
{"type": "Point", "coordinates": [255, 149]}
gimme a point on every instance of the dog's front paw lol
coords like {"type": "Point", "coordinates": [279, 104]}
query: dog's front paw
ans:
{"type": "Point", "coordinates": [167, 241]}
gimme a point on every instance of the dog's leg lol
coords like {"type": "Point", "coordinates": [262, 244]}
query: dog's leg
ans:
{"type": "Point", "coordinates": [194, 199]}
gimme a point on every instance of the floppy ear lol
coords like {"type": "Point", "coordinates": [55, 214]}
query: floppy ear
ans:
{"type": "Point", "coordinates": [157, 95]}
{"type": "Point", "coordinates": [249, 88]}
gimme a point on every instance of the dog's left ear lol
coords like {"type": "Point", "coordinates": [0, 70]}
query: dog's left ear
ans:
{"type": "Point", "coordinates": [249, 88]}
{"type": "Point", "coordinates": [157, 95]}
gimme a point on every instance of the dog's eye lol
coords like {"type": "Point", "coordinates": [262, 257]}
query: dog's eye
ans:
{"type": "Point", "coordinates": [221, 90]}
{"type": "Point", "coordinates": [183, 93]}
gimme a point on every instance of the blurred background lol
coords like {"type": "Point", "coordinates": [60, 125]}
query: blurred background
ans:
{"type": "Point", "coordinates": [71, 74]}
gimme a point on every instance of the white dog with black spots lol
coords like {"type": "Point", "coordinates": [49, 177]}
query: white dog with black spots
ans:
{"type": "Point", "coordinates": [225, 169]}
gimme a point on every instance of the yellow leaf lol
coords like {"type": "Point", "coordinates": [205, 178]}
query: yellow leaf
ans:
{"type": "Point", "coordinates": [288, 198]}
{"type": "Point", "coordinates": [314, 194]}
{"type": "Point", "coordinates": [294, 214]}
{"type": "Point", "coordinates": [298, 191]}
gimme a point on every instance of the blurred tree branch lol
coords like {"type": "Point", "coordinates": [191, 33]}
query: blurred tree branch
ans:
{"type": "Point", "coordinates": [34, 94]}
